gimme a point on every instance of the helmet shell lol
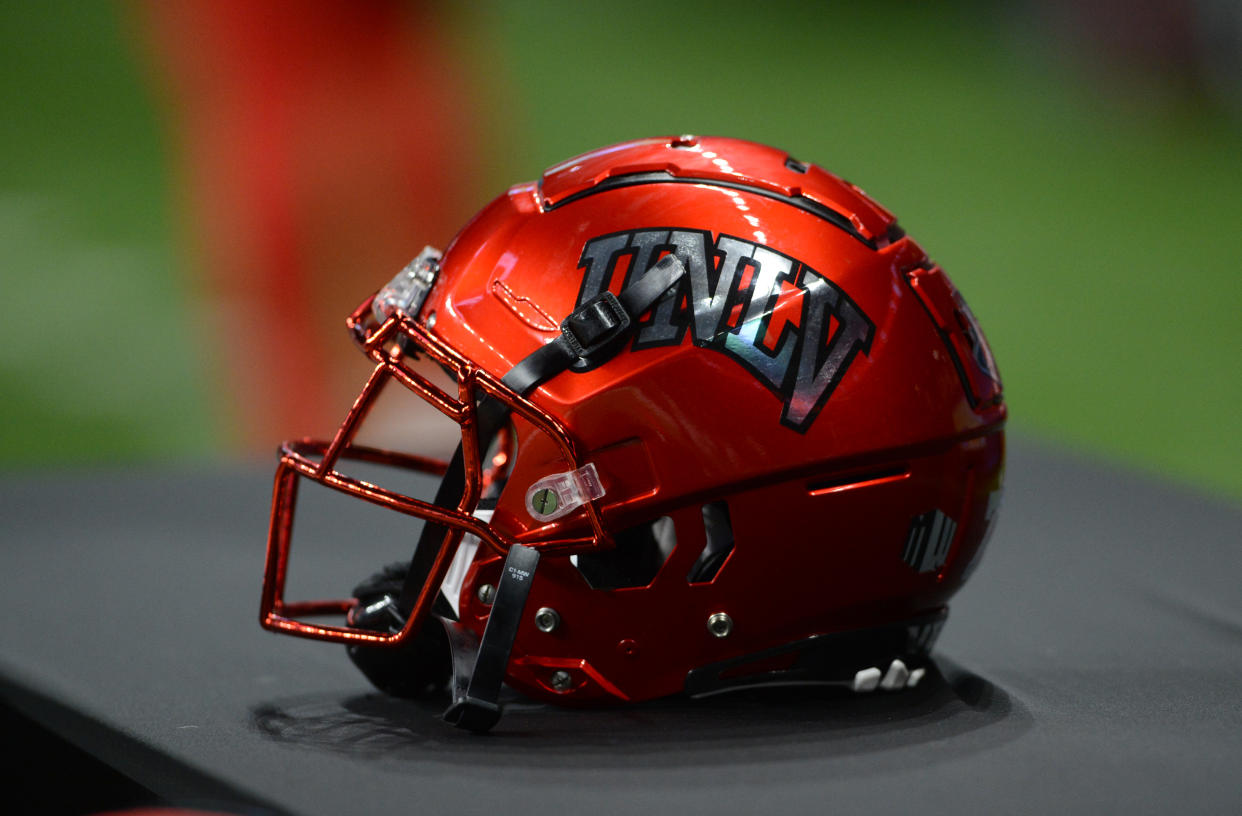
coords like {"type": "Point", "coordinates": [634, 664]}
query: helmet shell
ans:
{"type": "Point", "coordinates": [813, 371]}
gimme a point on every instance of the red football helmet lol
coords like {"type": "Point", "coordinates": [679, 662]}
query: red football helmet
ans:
{"type": "Point", "coordinates": [722, 423]}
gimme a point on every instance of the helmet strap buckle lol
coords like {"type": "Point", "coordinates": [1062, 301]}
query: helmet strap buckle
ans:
{"type": "Point", "coordinates": [594, 325]}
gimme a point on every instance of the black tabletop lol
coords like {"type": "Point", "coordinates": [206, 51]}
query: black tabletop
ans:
{"type": "Point", "coordinates": [1094, 662]}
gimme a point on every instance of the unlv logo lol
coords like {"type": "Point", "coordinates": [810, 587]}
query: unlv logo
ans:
{"type": "Point", "coordinates": [732, 288]}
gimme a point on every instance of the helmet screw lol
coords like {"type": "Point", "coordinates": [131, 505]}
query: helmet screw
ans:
{"type": "Point", "coordinates": [546, 620]}
{"type": "Point", "coordinates": [560, 680]}
{"type": "Point", "coordinates": [720, 624]}
{"type": "Point", "coordinates": [545, 501]}
{"type": "Point", "coordinates": [486, 593]}
{"type": "Point", "coordinates": [431, 321]}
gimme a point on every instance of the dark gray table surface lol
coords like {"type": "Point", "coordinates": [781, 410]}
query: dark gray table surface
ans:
{"type": "Point", "coordinates": [1093, 663]}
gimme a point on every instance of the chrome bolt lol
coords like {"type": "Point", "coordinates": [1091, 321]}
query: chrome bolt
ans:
{"type": "Point", "coordinates": [431, 320]}
{"type": "Point", "coordinates": [546, 619]}
{"type": "Point", "coordinates": [720, 624]}
{"type": "Point", "coordinates": [486, 593]}
{"type": "Point", "coordinates": [560, 680]}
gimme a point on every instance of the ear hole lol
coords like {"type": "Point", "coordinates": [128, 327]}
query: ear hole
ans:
{"type": "Point", "coordinates": [636, 560]}
{"type": "Point", "coordinates": [718, 535]}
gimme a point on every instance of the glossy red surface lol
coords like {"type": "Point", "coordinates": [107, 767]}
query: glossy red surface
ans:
{"type": "Point", "coordinates": [821, 485]}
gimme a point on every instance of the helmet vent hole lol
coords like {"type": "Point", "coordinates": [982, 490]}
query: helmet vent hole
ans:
{"type": "Point", "coordinates": [795, 165]}
{"type": "Point", "coordinates": [718, 535]}
{"type": "Point", "coordinates": [636, 560]}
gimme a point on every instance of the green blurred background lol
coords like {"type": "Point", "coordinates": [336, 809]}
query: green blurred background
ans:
{"type": "Point", "coordinates": [1083, 194]}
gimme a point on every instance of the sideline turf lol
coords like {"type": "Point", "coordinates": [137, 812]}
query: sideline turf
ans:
{"type": "Point", "coordinates": [88, 272]}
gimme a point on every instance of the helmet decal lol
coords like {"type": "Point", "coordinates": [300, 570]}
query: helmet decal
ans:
{"type": "Point", "coordinates": [733, 291]}
{"type": "Point", "coordinates": [927, 543]}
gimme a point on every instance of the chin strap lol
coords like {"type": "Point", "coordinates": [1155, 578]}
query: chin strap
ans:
{"type": "Point", "coordinates": [592, 334]}
{"type": "Point", "coordinates": [477, 681]}
{"type": "Point", "coordinates": [596, 330]}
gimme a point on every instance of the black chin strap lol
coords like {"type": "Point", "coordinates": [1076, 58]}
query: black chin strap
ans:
{"type": "Point", "coordinates": [592, 333]}
{"type": "Point", "coordinates": [479, 668]}
{"type": "Point", "coordinates": [597, 329]}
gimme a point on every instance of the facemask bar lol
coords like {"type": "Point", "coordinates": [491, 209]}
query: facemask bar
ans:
{"type": "Point", "coordinates": [317, 460]}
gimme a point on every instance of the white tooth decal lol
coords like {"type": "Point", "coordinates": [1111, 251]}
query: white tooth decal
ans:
{"type": "Point", "coordinates": [896, 677]}
{"type": "Point", "coordinates": [867, 679]}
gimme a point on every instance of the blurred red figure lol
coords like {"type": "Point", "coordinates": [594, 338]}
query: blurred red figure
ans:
{"type": "Point", "coordinates": [317, 139]}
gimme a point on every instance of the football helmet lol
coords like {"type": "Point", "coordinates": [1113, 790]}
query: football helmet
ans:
{"type": "Point", "coordinates": [722, 423]}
